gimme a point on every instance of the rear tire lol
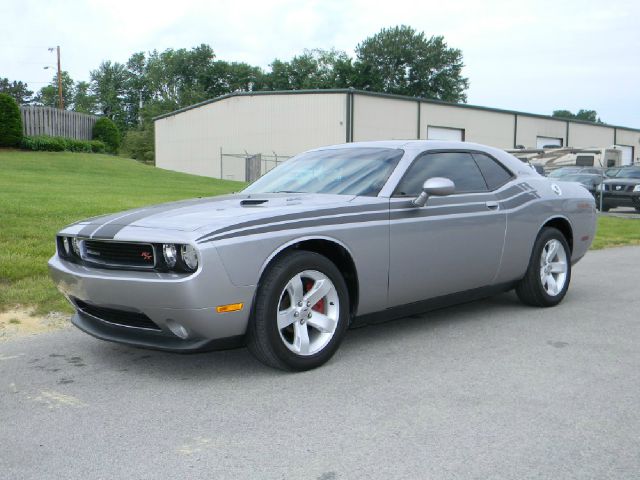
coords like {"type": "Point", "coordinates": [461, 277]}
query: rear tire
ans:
{"type": "Point", "coordinates": [301, 312]}
{"type": "Point", "coordinates": [549, 272]}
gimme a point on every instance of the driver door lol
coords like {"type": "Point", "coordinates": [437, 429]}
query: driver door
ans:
{"type": "Point", "coordinates": [452, 244]}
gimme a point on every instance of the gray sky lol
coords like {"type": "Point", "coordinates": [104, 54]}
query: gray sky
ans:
{"type": "Point", "coordinates": [533, 56]}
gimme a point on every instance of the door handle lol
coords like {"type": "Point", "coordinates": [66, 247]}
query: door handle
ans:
{"type": "Point", "coordinates": [492, 205]}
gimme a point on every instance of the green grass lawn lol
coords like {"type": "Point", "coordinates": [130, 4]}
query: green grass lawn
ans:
{"type": "Point", "coordinates": [40, 192]}
{"type": "Point", "coordinates": [616, 232]}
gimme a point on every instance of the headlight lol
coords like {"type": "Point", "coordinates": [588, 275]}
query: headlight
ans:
{"type": "Point", "coordinates": [66, 244]}
{"type": "Point", "coordinates": [170, 254]}
{"type": "Point", "coordinates": [189, 257]}
{"type": "Point", "coordinates": [636, 188]}
{"type": "Point", "coordinates": [75, 244]}
{"type": "Point", "coordinates": [599, 188]}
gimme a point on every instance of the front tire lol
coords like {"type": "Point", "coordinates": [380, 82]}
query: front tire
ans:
{"type": "Point", "coordinates": [549, 272]}
{"type": "Point", "coordinates": [301, 312]}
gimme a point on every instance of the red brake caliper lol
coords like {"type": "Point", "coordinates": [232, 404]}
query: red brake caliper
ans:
{"type": "Point", "coordinates": [318, 307]}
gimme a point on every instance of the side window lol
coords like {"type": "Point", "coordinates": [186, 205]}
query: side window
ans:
{"type": "Point", "coordinates": [456, 166]}
{"type": "Point", "coordinates": [494, 174]}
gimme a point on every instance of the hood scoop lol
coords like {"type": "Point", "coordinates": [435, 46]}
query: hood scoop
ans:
{"type": "Point", "coordinates": [252, 203]}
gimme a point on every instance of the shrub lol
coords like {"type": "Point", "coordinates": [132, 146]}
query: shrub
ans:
{"type": "Point", "coordinates": [107, 131]}
{"type": "Point", "coordinates": [43, 143]}
{"type": "Point", "coordinates": [139, 144]}
{"type": "Point", "coordinates": [10, 122]}
{"type": "Point", "coordinates": [98, 146]}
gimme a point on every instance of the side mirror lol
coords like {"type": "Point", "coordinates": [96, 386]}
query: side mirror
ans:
{"type": "Point", "coordinates": [437, 186]}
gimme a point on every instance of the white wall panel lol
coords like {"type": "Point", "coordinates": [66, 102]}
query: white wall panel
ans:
{"type": "Point", "coordinates": [530, 128]}
{"type": "Point", "coordinates": [379, 118]}
{"type": "Point", "coordinates": [632, 139]}
{"type": "Point", "coordinates": [285, 124]}
{"type": "Point", "coordinates": [480, 126]}
{"type": "Point", "coordinates": [583, 135]}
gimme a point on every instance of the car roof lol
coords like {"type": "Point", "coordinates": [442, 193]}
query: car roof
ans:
{"type": "Point", "coordinates": [506, 158]}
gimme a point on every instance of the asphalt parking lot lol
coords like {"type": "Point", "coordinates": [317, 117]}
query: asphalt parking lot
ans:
{"type": "Point", "coordinates": [621, 212]}
{"type": "Point", "coordinates": [490, 389]}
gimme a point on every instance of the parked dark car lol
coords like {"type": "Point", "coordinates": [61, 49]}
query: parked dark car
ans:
{"type": "Point", "coordinates": [588, 180]}
{"type": "Point", "coordinates": [564, 171]}
{"type": "Point", "coordinates": [622, 190]}
{"type": "Point", "coordinates": [613, 171]}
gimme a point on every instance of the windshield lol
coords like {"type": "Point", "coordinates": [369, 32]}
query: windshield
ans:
{"type": "Point", "coordinates": [579, 178]}
{"type": "Point", "coordinates": [628, 173]}
{"type": "Point", "coordinates": [563, 171]}
{"type": "Point", "coordinates": [344, 171]}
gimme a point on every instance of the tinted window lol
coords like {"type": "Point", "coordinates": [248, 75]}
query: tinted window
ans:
{"type": "Point", "coordinates": [494, 174]}
{"type": "Point", "coordinates": [584, 160]}
{"type": "Point", "coordinates": [455, 166]}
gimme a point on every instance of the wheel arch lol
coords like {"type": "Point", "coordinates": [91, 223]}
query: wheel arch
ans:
{"type": "Point", "coordinates": [563, 224]}
{"type": "Point", "coordinates": [334, 250]}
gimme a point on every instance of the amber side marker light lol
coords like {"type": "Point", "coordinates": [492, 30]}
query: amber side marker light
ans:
{"type": "Point", "coordinates": [232, 307]}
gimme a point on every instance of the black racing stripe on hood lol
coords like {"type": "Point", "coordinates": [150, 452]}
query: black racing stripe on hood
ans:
{"type": "Point", "coordinates": [296, 216]}
{"type": "Point", "coordinates": [398, 211]}
{"type": "Point", "coordinates": [367, 217]}
{"type": "Point", "coordinates": [107, 230]}
{"type": "Point", "coordinates": [341, 210]}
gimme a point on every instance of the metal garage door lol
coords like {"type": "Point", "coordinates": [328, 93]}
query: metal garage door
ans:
{"type": "Point", "coordinates": [445, 133]}
{"type": "Point", "coordinates": [627, 154]}
{"type": "Point", "coordinates": [542, 142]}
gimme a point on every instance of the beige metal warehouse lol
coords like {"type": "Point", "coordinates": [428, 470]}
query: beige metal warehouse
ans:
{"type": "Point", "coordinates": [215, 137]}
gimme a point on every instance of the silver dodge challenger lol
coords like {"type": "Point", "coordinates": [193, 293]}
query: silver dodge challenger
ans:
{"type": "Point", "coordinates": [338, 236]}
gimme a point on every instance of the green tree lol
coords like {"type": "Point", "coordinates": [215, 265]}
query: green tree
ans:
{"type": "Point", "coordinates": [109, 88]}
{"type": "Point", "coordinates": [312, 69]}
{"type": "Point", "coordinates": [19, 91]}
{"type": "Point", "coordinates": [179, 77]}
{"type": "Point", "coordinates": [48, 96]}
{"type": "Point", "coordinates": [10, 121]}
{"type": "Point", "coordinates": [403, 61]}
{"type": "Point", "coordinates": [227, 77]}
{"type": "Point", "coordinates": [106, 131]}
{"type": "Point", "coordinates": [584, 115]}
{"type": "Point", "coordinates": [83, 101]}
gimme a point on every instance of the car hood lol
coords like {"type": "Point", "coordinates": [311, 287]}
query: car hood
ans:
{"type": "Point", "coordinates": [622, 181]}
{"type": "Point", "coordinates": [214, 212]}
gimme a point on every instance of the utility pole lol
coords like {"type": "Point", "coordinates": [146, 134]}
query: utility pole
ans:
{"type": "Point", "coordinates": [60, 100]}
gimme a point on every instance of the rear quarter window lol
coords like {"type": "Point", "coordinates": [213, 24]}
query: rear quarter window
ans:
{"type": "Point", "coordinates": [493, 172]}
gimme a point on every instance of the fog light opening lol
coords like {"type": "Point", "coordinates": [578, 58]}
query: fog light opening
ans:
{"type": "Point", "coordinates": [177, 329]}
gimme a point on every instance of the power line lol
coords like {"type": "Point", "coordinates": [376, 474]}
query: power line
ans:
{"type": "Point", "coordinates": [43, 62]}
{"type": "Point", "coordinates": [24, 46]}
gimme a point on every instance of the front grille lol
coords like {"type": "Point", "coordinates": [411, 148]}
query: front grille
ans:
{"type": "Point", "coordinates": [618, 188]}
{"type": "Point", "coordinates": [119, 254]}
{"type": "Point", "coordinates": [117, 317]}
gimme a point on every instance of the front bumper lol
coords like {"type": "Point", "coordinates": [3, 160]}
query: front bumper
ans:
{"type": "Point", "coordinates": [166, 341]}
{"type": "Point", "coordinates": [620, 199]}
{"type": "Point", "coordinates": [181, 308]}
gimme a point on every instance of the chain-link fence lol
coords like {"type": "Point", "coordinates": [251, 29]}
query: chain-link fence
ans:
{"type": "Point", "coordinates": [247, 167]}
